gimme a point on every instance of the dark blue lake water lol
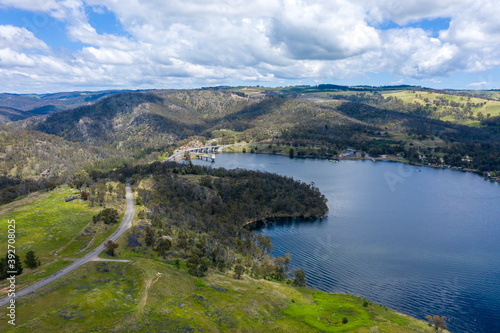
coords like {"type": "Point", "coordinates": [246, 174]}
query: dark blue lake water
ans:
{"type": "Point", "coordinates": [419, 240]}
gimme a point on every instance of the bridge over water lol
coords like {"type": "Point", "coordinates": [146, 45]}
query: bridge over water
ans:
{"type": "Point", "coordinates": [179, 155]}
{"type": "Point", "coordinates": [207, 151]}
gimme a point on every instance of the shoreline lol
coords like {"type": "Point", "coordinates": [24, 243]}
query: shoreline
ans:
{"type": "Point", "coordinates": [271, 220]}
{"type": "Point", "coordinates": [475, 171]}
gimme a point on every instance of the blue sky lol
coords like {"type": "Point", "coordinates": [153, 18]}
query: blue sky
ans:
{"type": "Point", "coordinates": [62, 45]}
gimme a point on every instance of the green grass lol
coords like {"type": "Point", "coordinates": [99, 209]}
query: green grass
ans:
{"type": "Point", "coordinates": [150, 294]}
{"type": "Point", "coordinates": [30, 276]}
{"type": "Point", "coordinates": [147, 295]}
{"type": "Point", "coordinates": [327, 312]}
{"type": "Point", "coordinates": [91, 236]}
{"type": "Point", "coordinates": [45, 223]}
{"type": "Point", "coordinates": [224, 133]}
{"type": "Point", "coordinates": [491, 107]}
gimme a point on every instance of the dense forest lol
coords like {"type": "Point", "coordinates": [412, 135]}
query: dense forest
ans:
{"type": "Point", "coordinates": [201, 217]}
{"type": "Point", "coordinates": [32, 161]}
{"type": "Point", "coordinates": [114, 129]}
{"type": "Point", "coordinates": [201, 213]}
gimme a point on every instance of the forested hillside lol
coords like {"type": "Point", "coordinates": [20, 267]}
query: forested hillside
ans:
{"type": "Point", "coordinates": [196, 218]}
{"type": "Point", "coordinates": [39, 104]}
{"type": "Point", "coordinates": [330, 118]}
{"type": "Point", "coordinates": [213, 206]}
{"type": "Point", "coordinates": [10, 114]}
{"type": "Point", "coordinates": [29, 153]}
{"type": "Point", "coordinates": [31, 160]}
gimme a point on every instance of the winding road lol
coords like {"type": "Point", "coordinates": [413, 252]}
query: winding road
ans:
{"type": "Point", "coordinates": [91, 256]}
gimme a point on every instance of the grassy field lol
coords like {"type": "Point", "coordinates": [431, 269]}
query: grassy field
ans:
{"type": "Point", "coordinates": [408, 96]}
{"type": "Point", "coordinates": [47, 224]}
{"type": "Point", "coordinates": [148, 296]}
{"type": "Point", "coordinates": [488, 94]}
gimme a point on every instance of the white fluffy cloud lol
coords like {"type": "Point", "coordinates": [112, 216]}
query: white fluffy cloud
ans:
{"type": "Point", "coordinates": [197, 42]}
{"type": "Point", "coordinates": [31, 5]}
{"type": "Point", "coordinates": [19, 38]}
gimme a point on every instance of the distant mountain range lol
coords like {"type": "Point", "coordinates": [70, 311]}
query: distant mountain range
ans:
{"type": "Point", "coordinates": [14, 107]}
{"type": "Point", "coordinates": [409, 121]}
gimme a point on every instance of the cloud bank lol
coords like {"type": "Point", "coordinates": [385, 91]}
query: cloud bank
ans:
{"type": "Point", "coordinates": [199, 43]}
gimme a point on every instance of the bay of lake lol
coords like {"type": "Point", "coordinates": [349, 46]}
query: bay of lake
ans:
{"type": "Point", "coordinates": [419, 240]}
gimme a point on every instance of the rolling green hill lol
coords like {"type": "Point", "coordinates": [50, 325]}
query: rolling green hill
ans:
{"type": "Point", "coordinates": [464, 110]}
{"type": "Point", "coordinates": [150, 296]}
{"type": "Point", "coordinates": [151, 293]}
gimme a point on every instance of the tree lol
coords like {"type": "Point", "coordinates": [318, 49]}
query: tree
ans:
{"type": "Point", "coordinates": [238, 271]}
{"type": "Point", "coordinates": [163, 247]}
{"type": "Point", "coordinates": [206, 181]}
{"type": "Point", "coordinates": [100, 193]}
{"type": "Point", "coordinates": [92, 199]}
{"type": "Point", "coordinates": [183, 244]}
{"type": "Point", "coordinates": [120, 192]}
{"type": "Point", "coordinates": [192, 265]}
{"type": "Point", "coordinates": [150, 236]}
{"type": "Point", "coordinates": [84, 195]}
{"type": "Point", "coordinates": [13, 263]}
{"type": "Point", "coordinates": [80, 180]}
{"type": "Point", "coordinates": [111, 247]}
{"type": "Point", "coordinates": [265, 243]}
{"type": "Point", "coordinates": [31, 260]}
{"type": "Point", "coordinates": [107, 215]}
{"type": "Point", "coordinates": [196, 266]}
{"type": "Point", "coordinates": [300, 278]}
{"type": "Point", "coordinates": [281, 267]}
{"type": "Point", "coordinates": [110, 189]}
{"type": "Point", "coordinates": [438, 322]}
{"type": "Point", "coordinates": [3, 268]}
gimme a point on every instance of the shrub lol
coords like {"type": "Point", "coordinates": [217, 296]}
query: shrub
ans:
{"type": "Point", "coordinates": [107, 215]}
{"type": "Point", "coordinates": [238, 271]}
{"type": "Point", "coordinates": [84, 195]}
{"type": "Point", "coordinates": [300, 278]}
{"type": "Point", "coordinates": [197, 266]}
{"type": "Point", "coordinates": [111, 247]}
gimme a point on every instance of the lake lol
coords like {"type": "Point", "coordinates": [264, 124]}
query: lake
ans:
{"type": "Point", "coordinates": [419, 240]}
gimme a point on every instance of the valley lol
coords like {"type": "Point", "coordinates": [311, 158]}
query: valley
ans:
{"type": "Point", "coordinates": [190, 255]}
